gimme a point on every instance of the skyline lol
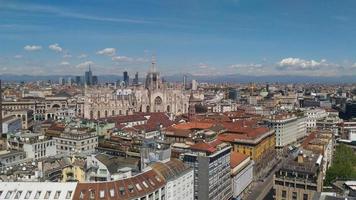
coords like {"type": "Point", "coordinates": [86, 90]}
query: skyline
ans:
{"type": "Point", "coordinates": [201, 38]}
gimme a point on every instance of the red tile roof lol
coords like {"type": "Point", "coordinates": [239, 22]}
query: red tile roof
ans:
{"type": "Point", "coordinates": [194, 125]}
{"type": "Point", "coordinates": [130, 188]}
{"type": "Point", "coordinates": [236, 158]}
{"type": "Point", "coordinates": [209, 147]}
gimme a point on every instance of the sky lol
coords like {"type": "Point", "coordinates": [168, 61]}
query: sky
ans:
{"type": "Point", "coordinates": [200, 37]}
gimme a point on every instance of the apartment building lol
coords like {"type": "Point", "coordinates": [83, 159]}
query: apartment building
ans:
{"type": "Point", "coordinates": [211, 164]}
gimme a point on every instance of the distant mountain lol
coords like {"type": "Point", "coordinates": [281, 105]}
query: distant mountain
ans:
{"type": "Point", "coordinates": [238, 78]}
{"type": "Point", "coordinates": [231, 78]}
{"type": "Point", "coordinates": [55, 78]}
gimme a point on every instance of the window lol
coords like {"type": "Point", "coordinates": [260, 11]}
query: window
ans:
{"type": "Point", "coordinates": [145, 184]}
{"type": "Point", "coordinates": [69, 194]}
{"type": "Point", "coordinates": [38, 194]}
{"type": "Point", "coordinates": [28, 194]}
{"type": "Point", "coordinates": [57, 194]}
{"type": "Point", "coordinates": [131, 189]}
{"type": "Point", "coordinates": [47, 195]}
{"type": "Point", "coordinates": [284, 194]}
{"type": "Point", "coordinates": [81, 195]}
{"type": "Point", "coordinates": [138, 187]}
{"type": "Point", "coordinates": [8, 195]}
{"type": "Point", "coordinates": [305, 196]}
{"type": "Point", "coordinates": [294, 196]}
{"type": "Point", "coordinates": [18, 195]}
{"type": "Point", "coordinates": [112, 192]}
{"type": "Point", "coordinates": [102, 194]}
{"type": "Point", "coordinates": [122, 190]}
{"type": "Point", "coordinates": [91, 194]}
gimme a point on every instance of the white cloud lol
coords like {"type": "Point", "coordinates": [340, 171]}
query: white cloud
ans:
{"type": "Point", "coordinates": [55, 47]}
{"type": "Point", "coordinates": [301, 64]}
{"type": "Point", "coordinates": [66, 13]}
{"type": "Point", "coordinates": [65, 63]}
{"type": "Point", "coordinates": [122, 59]}
{"type": "Point", "coordinates": [85, 64]}
{"type": "Point", "coordinates": [142, 60]}
{"type": "Point", "coordinates": [81, 56]}
{"type": "Point", "coordinates": [107, 52]}
{"type": "Point", "coordinates": [66, 55]}
{"type": "Point", "coordinates": [18, 56]}
{"type": "Point", "coordinates": [251, 66]}
{"type": "Point", "coordinates": [203, 66]}
{"type": "Point", "coordinates": [32, 47]}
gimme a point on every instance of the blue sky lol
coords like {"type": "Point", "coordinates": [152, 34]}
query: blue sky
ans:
{"type": "Point", "coordinates": [202, 37]}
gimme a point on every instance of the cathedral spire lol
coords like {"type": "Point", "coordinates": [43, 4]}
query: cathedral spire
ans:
{"type": "Point", "coordinates": [153, 66]}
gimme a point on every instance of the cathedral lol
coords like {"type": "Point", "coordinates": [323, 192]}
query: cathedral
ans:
{"type": "Point", "coordinates": [153, 96]}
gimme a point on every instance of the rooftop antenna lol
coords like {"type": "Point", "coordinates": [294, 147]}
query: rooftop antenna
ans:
{"type": "Point", "coordinates": [89, 68]}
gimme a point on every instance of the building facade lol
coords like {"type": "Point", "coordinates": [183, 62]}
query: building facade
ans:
{"type": "Point", "coordinates": [70, 143]}
{"type": "Point", "coordinates": [288, 128]}
{"type": "Point", "coordinates": [154, 96]}
{"type": "Point", "coordinates": [211, 164]}
{"type": "Point", "coordinates": [299, 178]}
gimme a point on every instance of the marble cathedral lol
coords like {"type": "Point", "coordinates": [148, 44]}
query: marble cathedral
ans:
{"type": "Point", "coordinates": [153, 96]}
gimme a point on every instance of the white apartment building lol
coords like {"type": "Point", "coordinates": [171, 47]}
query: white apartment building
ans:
{"type": "Point", "coordinates": [179, 177]}
{"type": "Point", "coordinates": [312, 116]}
{"type": "Point", "coordinates": [288, 128]}
{"type": "Point", "coordinates": [76, 142]}
{"type": "Point", "coordinates": [152, 184]}
{"type": "Point", "coordinates": [35, 145]}
{"type": "Point", "coordinates": [11, 124]}
{"type": "Point", "coordinates": [40, 149]}
{"type": "Point", "coordinates": [241, 173]}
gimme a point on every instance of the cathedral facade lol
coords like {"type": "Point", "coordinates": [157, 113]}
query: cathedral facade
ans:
{"type": "Point", "coordinates": [153, 96]}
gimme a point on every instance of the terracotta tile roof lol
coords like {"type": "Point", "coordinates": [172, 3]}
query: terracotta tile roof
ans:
{"type": "Point", "coordinates": [236, 158]}
{"type": "Point", "coordinates": [129, 188]}
{"type": "Point", "coordinates": [209, 147]}
{"type": "Point", "coordinates": [57, 127]}
{"type": "Point", "coordinates": [172, 131]}
{"type": "Point", "coordinates": [194, 125]}
{"type": "Point", "coordinates": [247, 128]}
{"type": "Point", "coordinates": [307, 140]}
{"type": "Point", "coordinates": [170, 169]}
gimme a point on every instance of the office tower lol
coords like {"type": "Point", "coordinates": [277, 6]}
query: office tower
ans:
{"type": "Point", "coordinates": [95, 80]}
{"type": "Point", "coordinates": [61, 81]}
{"type": "Point", "coordinates": [184, 81]}
{"type": "Point", "coordinates": [126, 78]}
{"type": "Point", "coordinates": [117, 83]}
{"type": "Point", "coordinates": [69, 81]}
{"type": "Point", "coordinates": [78, 80]}
{"type": "Point", "coordinates": [211, 164]}
{"type": "Point", "coordinates": [135, 81]}
{"type": "Point", "coordinates": [88, 77]}
{"type": "Point", "coordinates": [234, 94]}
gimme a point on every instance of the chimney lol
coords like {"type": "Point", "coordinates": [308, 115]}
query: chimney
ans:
{"type": "Point", "coordinates": [300, 158]}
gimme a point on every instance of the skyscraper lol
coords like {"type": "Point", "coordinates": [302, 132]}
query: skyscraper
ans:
{"type": "Point", "coordinates": [78, 80]}
{"type": "Point", "coordinates": [69, 81]}
{"type": "Point", "coordinates": [135, 81]}
{"type": "Point", "coordinates": [95, 80]}
{"type": "Point", "coordinates": [88, 77]}
{"type": "Point", "coordinates": [61, 81]}
{"type": "Point", "coordinates": [184, 81]}
{"type": "Point", "coordinates": [126, 78]}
